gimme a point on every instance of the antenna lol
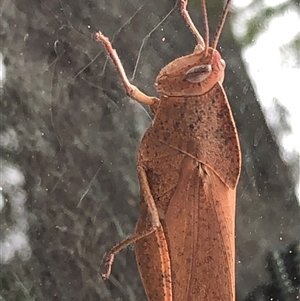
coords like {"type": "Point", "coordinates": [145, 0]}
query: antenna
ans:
{"type": "Point", "coordinates": [206, 27]}
{"type": "Point", "coordinates": [221, 24]}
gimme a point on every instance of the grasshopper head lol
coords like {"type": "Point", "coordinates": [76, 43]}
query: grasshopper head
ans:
{"type": "Point", "coordinates": [193, 74]}
{"type": "Point", "coordinates": [197, 73]}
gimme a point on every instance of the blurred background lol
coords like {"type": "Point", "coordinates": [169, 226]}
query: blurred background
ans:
{"type": "Point", "coordinates": [70, 136]}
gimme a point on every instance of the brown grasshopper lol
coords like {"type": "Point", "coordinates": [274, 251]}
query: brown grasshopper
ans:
{"type": "Point", "coordinates": [188, 165]}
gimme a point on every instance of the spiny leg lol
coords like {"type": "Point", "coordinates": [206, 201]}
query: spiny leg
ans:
{"type": "Point", "coordinates": [131, 90]}
{"type": "Point", "coordinates": [191, 25]}
{"type": "Point", "coordinates": [123, 244]}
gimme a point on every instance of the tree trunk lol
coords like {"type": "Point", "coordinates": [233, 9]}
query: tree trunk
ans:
{"type": "Point", "coordinates": [77, 136]}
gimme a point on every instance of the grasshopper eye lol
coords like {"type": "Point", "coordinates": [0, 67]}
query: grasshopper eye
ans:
{"type": "Point", "coordinates": [198, 74]}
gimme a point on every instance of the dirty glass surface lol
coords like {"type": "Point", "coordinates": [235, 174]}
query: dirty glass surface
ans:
{"type": "Point", "coordinates": [70, 136]}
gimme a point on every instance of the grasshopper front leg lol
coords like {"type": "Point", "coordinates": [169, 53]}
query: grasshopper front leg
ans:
{"type": "Point", "coordinates": [131, 90]}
